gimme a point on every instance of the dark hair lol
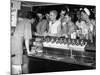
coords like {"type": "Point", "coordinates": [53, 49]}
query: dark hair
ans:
{"type": "Point", "coordinates": [30, 15]}
{"type": "Point", "coordinates": [82, 11]}
{"type": "Point", "coordinates": [70, 15]}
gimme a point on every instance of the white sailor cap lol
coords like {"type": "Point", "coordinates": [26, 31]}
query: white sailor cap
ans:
{"type": "Point", "coordinates": [87, 11]}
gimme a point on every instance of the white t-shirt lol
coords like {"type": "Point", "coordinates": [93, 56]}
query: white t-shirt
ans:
{"type": "Point", "coordinates": [54, 28]}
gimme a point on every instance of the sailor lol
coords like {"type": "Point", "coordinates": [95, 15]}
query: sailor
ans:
{"type": "Point", "coordinates": [22, 32]}
{"type": "Point", "coordinates": [42, 25]}
{"type": "Point", "coordinates": [54, 24]}
{"type": "Point", "coordinates": [68, 27]}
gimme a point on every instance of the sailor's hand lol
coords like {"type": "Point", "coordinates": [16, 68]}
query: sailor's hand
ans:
{"type": "Point", "coordinates": [31, 52]}
{"type": "Point", "coordinates": [45, 34]}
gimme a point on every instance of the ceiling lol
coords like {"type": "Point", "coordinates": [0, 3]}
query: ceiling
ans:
{"type": "Point", "coordinates": [27, 3]}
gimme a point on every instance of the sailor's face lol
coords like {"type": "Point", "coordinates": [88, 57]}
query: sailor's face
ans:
{"type": "Point", "coordinates": [84, 16]}
{"type": "Point", "coordinates": [40, 15]}
{"type": "Point", "coordinates": [52, 16]}
{"type": "Point", "coordinates": [32, 20]}
{"type": "Point", "coordinates": [47, 16]}
{"type": "Point", "coordinates": [67, 18]}
{"type": "Point", "coordinates": [62, 12]}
